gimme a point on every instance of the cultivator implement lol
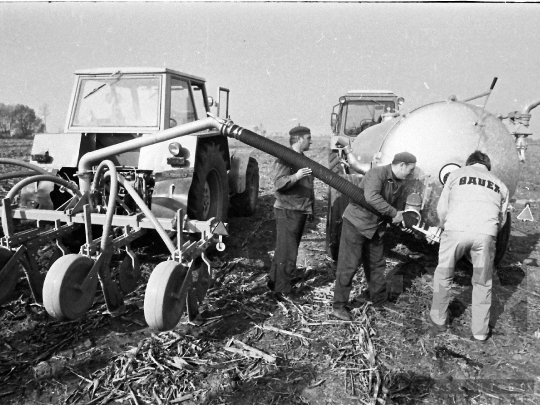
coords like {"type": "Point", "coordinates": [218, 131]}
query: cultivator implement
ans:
{"type": "Point", "coordinates": [68, 289]}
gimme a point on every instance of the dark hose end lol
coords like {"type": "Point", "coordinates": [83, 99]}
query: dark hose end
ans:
{"type": "Point", "coordinates": [231, 130]}
{"type": "Point", "coordinates": [493, 83]}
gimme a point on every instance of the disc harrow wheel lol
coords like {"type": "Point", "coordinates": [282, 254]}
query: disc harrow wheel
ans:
{"type": "Point", "coordinates": [63, 296]}
{"type": "Point", "coordinates": [9, 277]}
{"type": "Point", "coordinates": [164, 302]}
{"type": "Point", "coordinates": [129, 274]}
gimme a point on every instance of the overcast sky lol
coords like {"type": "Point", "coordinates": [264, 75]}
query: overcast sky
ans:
{"type": "Point", "coordinates": [284, 63]}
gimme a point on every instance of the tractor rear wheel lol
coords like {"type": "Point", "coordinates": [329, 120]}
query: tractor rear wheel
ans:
{"type": "Point", "coordinates": [334, 163]}
{"type": "Point", "coordinates": [245, 204]}
{"type": "Point", "coordinates": [209, 192]}
{"type": "Point", "coordinates": [63, 297]}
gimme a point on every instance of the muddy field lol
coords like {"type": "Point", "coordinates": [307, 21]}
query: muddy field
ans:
{"type": "Point", "coordinates": [252, 350]}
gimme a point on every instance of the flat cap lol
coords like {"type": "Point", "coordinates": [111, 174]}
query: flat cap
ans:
{"type": "Point", "coordinates": [405, 157]}
{"type": "Point", "coordinates": [299, 130]}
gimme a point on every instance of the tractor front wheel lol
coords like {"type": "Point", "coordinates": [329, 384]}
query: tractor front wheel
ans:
{"type": "Point", "coordinates": [337, 203]}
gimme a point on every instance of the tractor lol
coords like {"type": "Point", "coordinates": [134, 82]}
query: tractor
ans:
{"type": "Point", "coordinates": [141, 154]}
{"type": "Point", "coordinates": [356, 111]}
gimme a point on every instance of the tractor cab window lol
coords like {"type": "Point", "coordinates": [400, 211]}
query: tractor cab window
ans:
{"type": "Point", "coordinates": [198, 97]}
{"type": "Point", "coordinates": [117, 101]}
{"type": "Point", "coordinates": [362, 114]}
{"type": "Point", "coordinates": [182, 107]}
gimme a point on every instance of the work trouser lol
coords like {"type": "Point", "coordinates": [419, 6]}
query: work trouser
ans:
{"type": "Point", "coordinates": [289, 228]}
{"type": "Point", "coordinates": [454, 245]}
{"type": "Point", "coordinates": [353, 246]}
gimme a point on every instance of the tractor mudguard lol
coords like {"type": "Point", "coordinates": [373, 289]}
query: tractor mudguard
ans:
{"type": "Point", "coordinates": [237, 174]}
{"type": "Point", "coordinates": [171, 192]}
{"type": "Point", "coordinates": [55, 151]}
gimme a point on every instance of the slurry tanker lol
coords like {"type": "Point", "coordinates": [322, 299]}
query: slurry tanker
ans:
{"type": "Point", "coordinates": [441, 135]}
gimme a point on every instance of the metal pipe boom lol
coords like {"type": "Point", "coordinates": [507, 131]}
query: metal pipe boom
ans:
{"type": "Point", "coordinates": [85, 164]}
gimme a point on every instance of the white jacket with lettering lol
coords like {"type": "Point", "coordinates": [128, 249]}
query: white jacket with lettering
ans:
{"type": "Point", "coordinates": [473, 200]}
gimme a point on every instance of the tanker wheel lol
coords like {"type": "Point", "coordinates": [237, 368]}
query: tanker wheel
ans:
{"type": "Point", "coordinates": [163, 304]}
{"type": "Point", "coordinates": [333, 224]}
{"type": "Point", "coordinates": [334, 212]}
{"type": "Point", "coordinates": [503, 237]}
{"type": "Point", "coordinates": [245, 204]}
{"type": "Point", "coordinates": [63, 297]}
{"type": "Point", "coordinates": [337, 203]}
{"type": "Point", "coordinates": [209, 192]}
{"type": "Point", "coordinates": [129, 274]}
{"type": "Point", "coordinates": [9, 278]}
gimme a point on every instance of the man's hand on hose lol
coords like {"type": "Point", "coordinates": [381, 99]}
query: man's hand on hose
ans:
{"type": "Point", "coordinates": [398, 218]}
{"type": "Point", "coordinates": [300, 174]}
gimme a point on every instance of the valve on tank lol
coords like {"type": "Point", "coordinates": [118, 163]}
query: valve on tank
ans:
{"type": "Point", "coordinates": [518, 125]}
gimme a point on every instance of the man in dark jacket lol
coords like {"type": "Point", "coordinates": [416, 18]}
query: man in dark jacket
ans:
{"type": "Point", "coordinates": [362, 232]}
{"type": "Point", "coordinates": [294, 203]}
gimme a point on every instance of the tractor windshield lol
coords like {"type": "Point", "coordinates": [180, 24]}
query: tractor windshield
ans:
{"type": "Point", "coordinates": [117, 102]}
{"type": "Point", "coordinates": [362, 114]}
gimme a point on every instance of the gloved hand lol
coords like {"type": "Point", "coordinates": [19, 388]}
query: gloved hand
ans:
{"type": "Point", "coordinates": [409, 219]}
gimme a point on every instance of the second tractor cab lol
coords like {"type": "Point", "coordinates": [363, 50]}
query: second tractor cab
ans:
{"type": "Point", "coordinates": [356, 111]}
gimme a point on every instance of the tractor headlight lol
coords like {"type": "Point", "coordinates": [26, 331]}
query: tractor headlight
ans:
{"type": "Point", "coordinates": [175, 148]}
{"type": "Point", "coordinates": [342, 100]}
{"type": "Point", "coordinates": [400, 101]}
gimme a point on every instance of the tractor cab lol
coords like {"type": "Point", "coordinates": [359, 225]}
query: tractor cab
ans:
{"type": "Point", "coordinates": [139, 100]}
{"type": "Point", "coordinates": [360, 109]}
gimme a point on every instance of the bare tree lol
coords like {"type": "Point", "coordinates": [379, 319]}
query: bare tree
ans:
{"type": "Point", "coordinates": [5, 119]}
{"type": "Point", "coordinates": [24, 118]}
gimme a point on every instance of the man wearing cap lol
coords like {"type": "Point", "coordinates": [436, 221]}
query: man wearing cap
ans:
{"type": "Point", "coordinates": [362, 232]}
{"type": "Point", "coordinates": [471, 210]}
{"type": "Point", "coordinates": [294, 203]}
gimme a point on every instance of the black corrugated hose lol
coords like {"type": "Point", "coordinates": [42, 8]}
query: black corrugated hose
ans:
{"type": "Point", "coordinates": [297, 160]}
